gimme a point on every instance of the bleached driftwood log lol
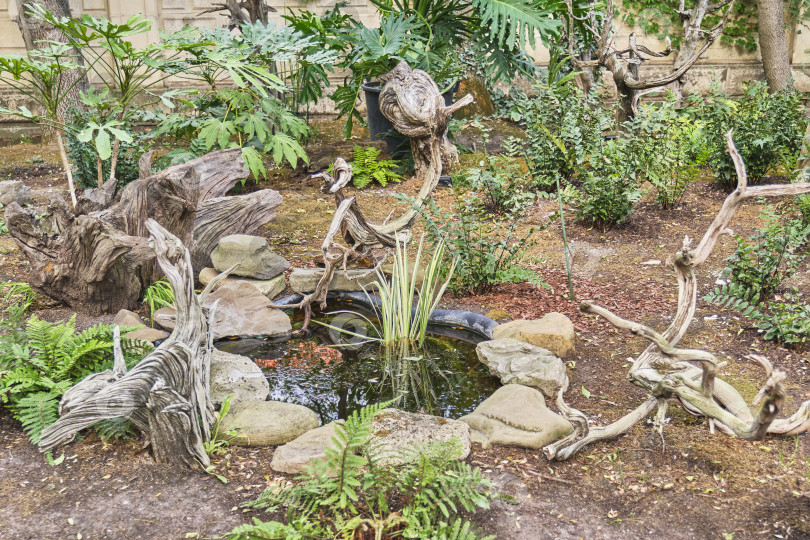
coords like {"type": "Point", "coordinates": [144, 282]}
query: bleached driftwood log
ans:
{"type": "Point", "coordinates": [666, 371]}
{"type": "Point", "coordinates": [166, 395]}
{"type": "Point", "coordinates": [414, 105]}
{"type": "Point", "coordinates": [97, 259]}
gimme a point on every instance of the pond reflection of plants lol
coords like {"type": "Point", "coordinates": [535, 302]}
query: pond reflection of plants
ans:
{"type": "Point", "coordinates": [444, 379]}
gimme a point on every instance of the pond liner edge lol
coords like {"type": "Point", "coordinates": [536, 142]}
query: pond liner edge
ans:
{"type": "Point", "coordinates": [472, 322]}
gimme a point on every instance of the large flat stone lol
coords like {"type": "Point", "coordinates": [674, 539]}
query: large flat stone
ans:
{"type": "Point", "coordinates": [554, 332]}
{"type": "Point", "coordinates": [252, 254]}
{"type": "Point", "coordinates": [396, 432]}
{"type": "Point", "coordinates": [268, 287]}
{"type": "Point", "coordinates": [244, 311]}
{"type": "Point", "coordinates": [126, 317]}
{"type": "Point", "coordinates": [304, 280]}
{"type": "Point", "coordinates": [294, 456]}
{"type": "Point", "coordinates": [237, 375]}
{"type": "Point", "coordinates": [14, 191]}
{"type": "Point", "coordinates": [518, 362]}
{"type": "Point", "coordinates": [268, 423]}
{"type": "Point", "coordinates": [516, 415]}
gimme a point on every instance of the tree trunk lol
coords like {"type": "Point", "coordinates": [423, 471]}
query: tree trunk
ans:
{"type": "Point", "coordinates": [98, 259]}
{"type": "Point", "coordinates": [35, 31]}
{"type": "Point", "coordinates": [773, 43]}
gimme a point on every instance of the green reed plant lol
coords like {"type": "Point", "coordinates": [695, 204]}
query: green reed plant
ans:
{"type": "Point", "coordinates": [398, 319]}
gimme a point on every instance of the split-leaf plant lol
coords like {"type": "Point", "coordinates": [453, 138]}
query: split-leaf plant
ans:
{"type": "Point", "coordinates": [356, 491]}
{"type": "Point", "coordinates": [254, 114]}
{"type": "Point", "coordinates": [768, 129]}
{"type": "Point", "coordinates": [43, 76]}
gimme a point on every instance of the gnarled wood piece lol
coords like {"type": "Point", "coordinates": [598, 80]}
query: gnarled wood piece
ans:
{"type": "Point", "coordinates": [167, 393]}
{"type": "Point", "coordinates": [412, 102]}
{"type": "Point", "coordinates": [98, 259]}
{"type": "Point", "coordinates": [665, 371]}
{"type": "Point", "coordinates": [221, 216]}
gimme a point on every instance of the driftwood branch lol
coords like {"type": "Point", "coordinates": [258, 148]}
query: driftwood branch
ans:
{"type": "Point", "coordinates": [411, 100]}
{"type": "Point", "coordinates": [624, 63]}
{"type": "Point", "coordinates": [666, 371]}
{"type": "Point", "coordinates": [166, 395]}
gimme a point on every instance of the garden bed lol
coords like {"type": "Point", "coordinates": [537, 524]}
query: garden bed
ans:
{"type": "Point", "coordinates": [690, 485]}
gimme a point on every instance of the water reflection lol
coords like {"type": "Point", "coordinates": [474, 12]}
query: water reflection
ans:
{"type": "Point", "coordinates": [443, 377]}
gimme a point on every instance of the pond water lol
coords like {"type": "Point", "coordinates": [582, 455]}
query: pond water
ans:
{"type": "Point", "coordinates": [442, 378]}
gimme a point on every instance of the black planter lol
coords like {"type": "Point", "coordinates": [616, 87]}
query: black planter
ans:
{"type": "Point", "coordinates": [379, 124]}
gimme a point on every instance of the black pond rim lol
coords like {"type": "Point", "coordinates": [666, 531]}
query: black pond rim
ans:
{"type": "Point", "coordinates": [474, 323]}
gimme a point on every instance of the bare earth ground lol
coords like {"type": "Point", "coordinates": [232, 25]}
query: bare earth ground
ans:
{"type": "Point", "coordinates": [691, 485]}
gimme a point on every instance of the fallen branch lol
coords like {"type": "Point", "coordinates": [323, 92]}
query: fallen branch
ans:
{"type": "Point", "coordinates": [666, 371]}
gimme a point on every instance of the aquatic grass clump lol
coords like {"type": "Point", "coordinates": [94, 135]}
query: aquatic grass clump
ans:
{"type": "Point", "coordinates": [399, 319]}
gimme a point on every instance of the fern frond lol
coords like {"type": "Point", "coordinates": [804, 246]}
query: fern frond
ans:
{"type": "Point", "coordinates": [36, 412]}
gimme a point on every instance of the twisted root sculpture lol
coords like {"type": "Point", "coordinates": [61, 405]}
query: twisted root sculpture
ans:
{"type": "Point", "coordinates": [666, 371]}
{"type": "Point", "coordinates": [166, 395]}
{"type": "Point", "coordinates": [414, 105]}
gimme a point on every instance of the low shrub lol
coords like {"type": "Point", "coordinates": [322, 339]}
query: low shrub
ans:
{"type": "Point", "coordinates": [768, 130]}
{"type": "Point", "coordinates": [668, 148]}
{"type": "Point", "coordinates": [609, 189]}
{"type": "Point", "coordinates": [755, 273]}
{"type": "Point", "coordinates": [488, 248]}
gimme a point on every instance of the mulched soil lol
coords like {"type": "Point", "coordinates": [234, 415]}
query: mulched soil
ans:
{"type": "Point", "coordinates": [689, 485]}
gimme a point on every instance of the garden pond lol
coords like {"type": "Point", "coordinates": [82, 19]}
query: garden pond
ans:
{"type": "Point", "coordinates": [335, 373]}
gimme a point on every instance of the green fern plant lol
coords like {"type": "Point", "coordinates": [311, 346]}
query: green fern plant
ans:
{"type": "Point", "coordinates": [40, 361]}
{"type": "Point", "coordinates": [354, 489]}
{"type": "Point", "coordinates": [367, 168]}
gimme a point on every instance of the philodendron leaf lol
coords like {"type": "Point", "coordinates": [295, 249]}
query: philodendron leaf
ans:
{"type": "Point", "coordinates": [103, 146]}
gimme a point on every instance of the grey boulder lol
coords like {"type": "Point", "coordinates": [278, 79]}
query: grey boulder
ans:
{"type": "Point", "coordinates": [130, 318]}
{"type": "Point", "coordinates": [516, 415]}
{"type": "Point", "coordinates": [252, 254]}
{"type": "Point", "coordinates": [14, 191]}
{"type": "Point", "coordinates": [518, 362]}
{"type": "Point", "coordinates": [268, 287]}
{"type": "Point", "coordinates": [304, 280]}
{"type": "Point", "coordinates": [308, 448]}
{"type": "Point", "coordinates": [268, 423]}
{"type": "Point", "coordinates": [236, 375]}
{"type": "Point", "coordinates": [554, 332]}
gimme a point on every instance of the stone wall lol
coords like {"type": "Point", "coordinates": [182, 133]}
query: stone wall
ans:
{"type": "Point", "coordinates": [723, 64]}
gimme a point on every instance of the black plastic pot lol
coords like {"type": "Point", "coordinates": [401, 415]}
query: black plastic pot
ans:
{"type": "Point", "coordinates": [379, 124]}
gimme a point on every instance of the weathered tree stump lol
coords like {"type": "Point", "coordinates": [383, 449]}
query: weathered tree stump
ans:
{"type": "Point", "coordinates": [98, 259]}
{"type": "Point", "coordinates": [666, 371]}
{"type": "Point", "coordinates": [166, 395]}
{"type": "Point", "coordinates": [412, 102]}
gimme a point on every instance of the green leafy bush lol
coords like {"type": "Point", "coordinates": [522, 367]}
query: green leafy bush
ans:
{"type": "Point", "coordinates": [756, 270]}
{"type": "Point", "coordinates": [488, 248]}
{"type": "Point", "coordinates": [40, 361]}
{"type": "Point", "coordinates": [499, 184]}
{"type": "Point", "coordinates": [773, 253]}
{"type": "Point", "coordinates": [84, 156]}
{"type": "Point", "coordinates": [768, 131]}
{"type": "Point", "coordinates": [354, 489]}
{"type": "Point", "coordinates": [609, 189]}
{"type": "Point", "coordinates": [668, 149]}
{"type": "Point", "coordinates": [159, 294]}
{"type": "Point", "coordinates": [367, 167]}
{"type": "Point", "coordinates": [560, 114]}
